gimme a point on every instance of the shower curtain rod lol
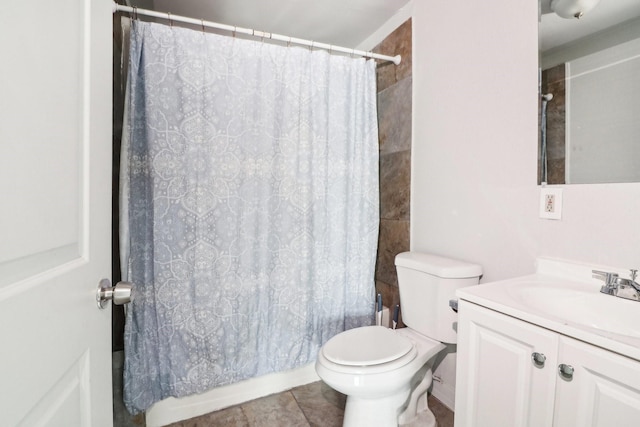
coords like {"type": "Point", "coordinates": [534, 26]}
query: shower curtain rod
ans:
{"type": "Point", "coordinates": [272, 36]}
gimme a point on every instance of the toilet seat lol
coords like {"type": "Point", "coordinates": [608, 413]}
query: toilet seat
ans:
{"type": "Point", "coordinates": [374, 348]}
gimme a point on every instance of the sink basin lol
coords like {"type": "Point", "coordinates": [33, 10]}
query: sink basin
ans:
{"type": "Point", "coordinates": [581, 307]}
{"type": "Point", "coordinates": [572, 306]}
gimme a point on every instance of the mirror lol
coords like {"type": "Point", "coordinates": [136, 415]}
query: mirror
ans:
{"type": "Point", "coordinates": [589, 107]}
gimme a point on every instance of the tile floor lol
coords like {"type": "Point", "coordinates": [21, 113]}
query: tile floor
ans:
{"type": "Point", "coordinates": [311, 405]}
{"type": "Point", "coordinates": [121, 418]}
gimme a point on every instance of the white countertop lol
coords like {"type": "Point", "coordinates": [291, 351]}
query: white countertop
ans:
{"type": "Point", "coordinates": [563, 297]}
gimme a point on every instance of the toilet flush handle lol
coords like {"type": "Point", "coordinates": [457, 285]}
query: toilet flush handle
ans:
{"type": "Point", "coordinates": [453, 303]}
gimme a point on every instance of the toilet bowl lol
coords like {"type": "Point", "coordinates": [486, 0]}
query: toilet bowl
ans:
{"type": "Point", "coordinates": [385, 373]}
{"type": "Point", "coordinates": [377, 382]}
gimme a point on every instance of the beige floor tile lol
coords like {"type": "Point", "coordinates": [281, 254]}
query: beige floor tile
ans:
{"type": "Point", "coordinates": [230, 417]}
{"type": "Point", "coordinates": [323, 406]}
{"type": "Point", "coordinates": [311, 405]}
{"type": "Point", "coordinates": [444, 415]}
{"type": "Point", "coordinates": [276, 410]}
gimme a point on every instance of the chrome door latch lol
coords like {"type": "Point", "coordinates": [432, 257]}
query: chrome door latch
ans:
{"type": "Point", "coordinates": [120, 294]}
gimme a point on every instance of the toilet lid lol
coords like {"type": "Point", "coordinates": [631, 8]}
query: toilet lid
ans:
{"type": "Point", "coordinates": [368, 345]}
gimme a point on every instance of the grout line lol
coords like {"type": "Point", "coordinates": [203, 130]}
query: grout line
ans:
{"type": "Point", "coordinates": [300, 407]}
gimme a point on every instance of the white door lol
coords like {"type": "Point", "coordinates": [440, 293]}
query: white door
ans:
{"type": "Point", "coordinates": [55, 212]}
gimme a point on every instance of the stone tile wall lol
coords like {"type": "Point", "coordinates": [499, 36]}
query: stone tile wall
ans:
{"type": "Point", "coordinates": [394, 122]}
{"type": "Point", "coordinates": [553, 81]}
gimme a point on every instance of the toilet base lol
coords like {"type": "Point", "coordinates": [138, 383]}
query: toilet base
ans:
{"type": "Point", "coordinates": [417, 403]}
{"type": "Point", "coordinates": [382, 412]}
{"type": "Point", "coordinates": [424, 419]}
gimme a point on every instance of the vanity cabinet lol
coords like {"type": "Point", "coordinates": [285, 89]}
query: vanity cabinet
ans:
{"type": "Point", "coordinates": [508, 375]}
{"type": "Point", "coordinates": [604, 390]}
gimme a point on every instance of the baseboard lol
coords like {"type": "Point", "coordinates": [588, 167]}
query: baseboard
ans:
{"type": "Point", "coordinates": [173, 409]}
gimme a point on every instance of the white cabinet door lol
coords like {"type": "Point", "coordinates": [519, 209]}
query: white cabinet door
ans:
{"type": "Point", "coordinates": [498, 385]}
{"type": "Point", "coordinates": [604, 390]}
{"type": "Point", "coordinates": [55, 215]}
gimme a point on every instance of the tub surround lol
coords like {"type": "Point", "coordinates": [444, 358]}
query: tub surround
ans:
{"type": "Point", "coordinates": [172, 409]}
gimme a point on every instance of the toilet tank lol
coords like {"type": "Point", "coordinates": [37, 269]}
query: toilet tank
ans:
{"type": "Point", "coordinates": [427, 283]}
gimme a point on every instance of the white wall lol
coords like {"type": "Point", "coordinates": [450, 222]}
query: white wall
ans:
{"type": "Point", "coordinates": [474, 193]}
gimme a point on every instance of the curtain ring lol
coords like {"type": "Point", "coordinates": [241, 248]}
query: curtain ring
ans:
{"type": "Point", "coordinates": [170, 20]}
{"type": "Point", "coordinates": [135, 13]}
{"type": "Point", "coordinates": [234, 31]}
{"type": "Point", "coordinates": [311, 46]}
{"type": "Point", "coordinates": [289, 42]}
{"type": "Point", "coordinates": [202, 22]}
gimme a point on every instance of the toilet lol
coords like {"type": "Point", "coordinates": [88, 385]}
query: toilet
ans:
{"type": "Point", "coordinates": [385, 373]}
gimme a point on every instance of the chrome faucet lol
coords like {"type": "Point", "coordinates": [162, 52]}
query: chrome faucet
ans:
{"type": "Point", "coordinates": [608, 278]}
{"type": "Point", "coordinates": [618, 286]}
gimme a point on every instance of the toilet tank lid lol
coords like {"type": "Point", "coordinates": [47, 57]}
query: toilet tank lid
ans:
{"type": "Point", "coordinates": [435, 265]}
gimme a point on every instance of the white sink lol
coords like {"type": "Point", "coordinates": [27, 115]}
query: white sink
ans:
{"type": "Point", "coordinates": [571, 305]}
{"type": "Point", "coordinates": [582, 307]}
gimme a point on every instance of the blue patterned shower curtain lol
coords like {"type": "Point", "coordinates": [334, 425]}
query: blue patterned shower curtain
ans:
{"type": "Point", "coordinates": [249, 207]}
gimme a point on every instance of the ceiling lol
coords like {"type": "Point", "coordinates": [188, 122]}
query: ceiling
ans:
{"type": "Point", "coordinates": [555, 31]}
{"type": "Point", "coordinates": [344, 23]}
{"type": "Point", "coordinates": [350, 22]}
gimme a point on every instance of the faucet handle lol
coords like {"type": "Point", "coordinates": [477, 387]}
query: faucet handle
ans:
{"type": "Point", "coordinates": [610, 279]}
{"type": "Point", "coordinates": [604, 275]}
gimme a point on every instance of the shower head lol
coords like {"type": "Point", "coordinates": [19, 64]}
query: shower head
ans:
{"type": "Point", "coordinates": [547, 97]}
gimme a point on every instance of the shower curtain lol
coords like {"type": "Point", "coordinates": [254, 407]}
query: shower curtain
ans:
{"type": "Point", "coordinates": [249, 207]}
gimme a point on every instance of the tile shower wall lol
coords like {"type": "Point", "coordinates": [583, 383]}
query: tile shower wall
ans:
{"type": "Point", "coordinates": [394, 122]}
{"type": "Point", "coordinates": [553, 81]}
